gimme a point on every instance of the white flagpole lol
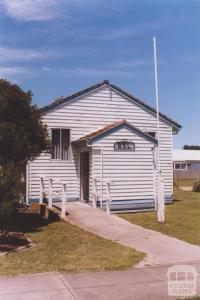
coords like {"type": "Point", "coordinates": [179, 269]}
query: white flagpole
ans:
{"type": "Point", "coordinates": [160, 187]}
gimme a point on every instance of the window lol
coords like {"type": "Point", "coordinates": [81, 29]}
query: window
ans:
{"type": "Point", "coordinates": [60, 143]}
{"type": "Point", "coordinates": [180, 166]}
{"type": "Point", "coordinates": [124, 146]}
{"type": "Point", "coordinates": [152, 134]}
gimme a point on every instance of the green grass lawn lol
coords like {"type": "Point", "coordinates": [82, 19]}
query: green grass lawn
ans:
{"type": "Point", "coordinates": [185, 181]}
{"type": "Point", "coordinates": [195, 298]}
{"type": "Point", "coordinates": [182, 218]}
{"type": "Point", "coordinates": [60, 246]}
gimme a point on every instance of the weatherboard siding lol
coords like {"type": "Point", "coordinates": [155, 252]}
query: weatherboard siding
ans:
{"type": "Point", "coordinates": [131, 178]}
{"type": "Point", "coordinates": [90, 113]}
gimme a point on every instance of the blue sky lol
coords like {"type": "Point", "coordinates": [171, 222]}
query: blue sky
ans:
{"type": "Point", "coordinates": [57, 47]}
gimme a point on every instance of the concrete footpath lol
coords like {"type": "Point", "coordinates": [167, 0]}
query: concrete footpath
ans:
{"type": "Point", "coordinates": [160, 249]}
{"type": "Point", "coordinates": [148, 283]}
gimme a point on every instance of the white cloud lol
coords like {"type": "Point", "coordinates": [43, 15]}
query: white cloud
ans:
{"type": "Point", "coordinates": [10, 71]}
{"type": "Point", "coordinates": [42, 10]}
{"type": "Point", "coordinates": [187, 59]}
{"type": "Point", "coordinates": [128, 31]}
{"type": "Point", "coordinates": [8, 54]}
{"type": "Point", "coordinates": [19, 74]}
{"type": "Point", "coordinates": [91, 72]}
{"type": "Point", "coordinates": [131, 63]}
{"type": "Point", "coordinates": [46, 69]}
{"type": "Point", "coordinates": [99, 72]}
{"type": "Point", "coordinates": [32, 10]}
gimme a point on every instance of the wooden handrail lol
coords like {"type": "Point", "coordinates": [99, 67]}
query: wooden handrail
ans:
{"type": "Point", "coordinates": [51, 192]}
{"type": "Point", "coordinates": [53, 178]}
{"type": "Point", "coordinates": [108, 192]}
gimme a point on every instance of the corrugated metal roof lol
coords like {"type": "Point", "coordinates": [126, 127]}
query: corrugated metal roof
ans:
{"type": "Point", "coordinates": [186, 155]}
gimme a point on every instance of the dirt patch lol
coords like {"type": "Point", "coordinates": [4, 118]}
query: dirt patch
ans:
{"type": "Point", "coordinates": [13, 242]}
{"type": "Point", "coordinates": [186, 188]}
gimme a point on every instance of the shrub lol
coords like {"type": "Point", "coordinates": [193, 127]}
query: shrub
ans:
{"type": "Point", "coordinates": [23, 137]}
{"type": "Point", "coordinates": [10, 189]}
{"type": "Point", "coordinates": [196, 186]}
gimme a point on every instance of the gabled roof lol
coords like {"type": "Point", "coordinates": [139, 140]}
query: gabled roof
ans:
{"type": "Point", "coordinates": [96, 135]}
{"type": "Point", "coordinates": [132, 98]}
{"type": "Point", "coordinates": [186, 155]}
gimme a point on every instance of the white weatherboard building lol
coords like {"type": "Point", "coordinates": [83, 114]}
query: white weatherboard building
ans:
{"type": "Point", "coordinates": [103, 134]}
{"type": "Point", "coordinates": [186, 160]}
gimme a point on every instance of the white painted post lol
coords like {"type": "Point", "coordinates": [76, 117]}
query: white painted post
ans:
{"type": "Point", "coordinates": [30, 180]}
{"type": "Point", "coordinates": [50, 200]}
{"type": "Point", "coordinates": [94, 198]}
{"type": "Point", "coordinates": [101, 177]}
{"type": "Point", "coordinates": [154, 178]}
{"type": "Point", "coordinates": [41, 189]}
{"type": "Point", "coordinates": [161, 201]}
{"type": "Point", "coordinates": [27, 183]}
{"type": "Point", "coordinates": [107, 207]}
{"type": "Point", "coordinates": [108, 197]}
{"type": "Point", "coordinates": [63, 207]}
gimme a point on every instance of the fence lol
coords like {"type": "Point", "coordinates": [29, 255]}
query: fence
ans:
{"type": "Point", "coordinates": [195, 174]}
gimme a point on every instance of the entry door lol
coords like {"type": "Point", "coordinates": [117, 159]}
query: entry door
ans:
{"type": "Point", "coordinates": [84, 176]}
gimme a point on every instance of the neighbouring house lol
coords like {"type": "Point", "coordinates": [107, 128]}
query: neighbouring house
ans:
{"type": "Point", "coordinates": [186, 163]}
{"type": "Point", "coordinates": [104, 134]}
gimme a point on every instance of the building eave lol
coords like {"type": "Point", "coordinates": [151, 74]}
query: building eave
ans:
{"type": "Point", "coordinates": [59, 102]}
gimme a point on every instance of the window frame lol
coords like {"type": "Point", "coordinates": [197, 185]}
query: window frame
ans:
{"type": "Point", "coordinates": [69, 148]}
{"type": "Point", "coordinates": [122, 143]}
{"type": "Point", "coordinates": [153, 134]}
{"type": "Point", "coordinates": [180, 164]}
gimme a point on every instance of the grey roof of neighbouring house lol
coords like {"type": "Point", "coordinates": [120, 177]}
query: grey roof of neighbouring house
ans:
{"type": "Point", "coordinates": [186, 155]}
{"type": "Point", "coordinates": [92, 136]}
{"type": "Point", "coordinates": [62, 101]}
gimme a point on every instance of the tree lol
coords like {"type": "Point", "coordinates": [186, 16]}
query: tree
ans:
{"type": "Point", "coordinates": [22, 138]}
{"type": "Point", "coordinates": [191, 147]}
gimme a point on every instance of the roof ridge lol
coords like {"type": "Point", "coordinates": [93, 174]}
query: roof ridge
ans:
{"type": "Point", "coordinates": [61, 101]}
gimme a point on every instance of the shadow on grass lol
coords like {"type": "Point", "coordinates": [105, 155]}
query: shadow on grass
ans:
{"type": "Point", "coordinates": [28, 223]}
{"type": "Point", "coordinates": [12, 242]}
{"type": "Point", "coordinates": [24, 222]}
{"type": "Point", "coordinates": [176, 200]}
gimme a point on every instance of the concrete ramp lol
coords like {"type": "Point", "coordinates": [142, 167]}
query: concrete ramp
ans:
{"type": "Point", "coordinates": [160, 248]}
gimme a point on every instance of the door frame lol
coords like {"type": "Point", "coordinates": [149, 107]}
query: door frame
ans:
{"type": "Point", "coordinates": [82, 153]}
